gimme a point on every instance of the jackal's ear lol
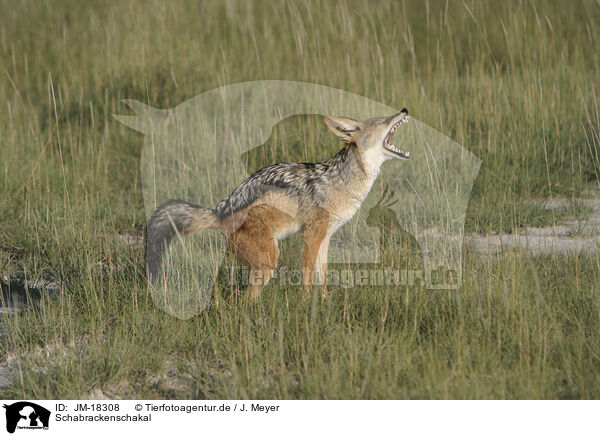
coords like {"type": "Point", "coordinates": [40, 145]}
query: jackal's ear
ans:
{"type": "Point", "coordinates": [343, 127]}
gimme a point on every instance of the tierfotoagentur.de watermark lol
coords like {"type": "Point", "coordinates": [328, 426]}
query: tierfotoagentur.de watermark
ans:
{"type": "Point", "coordinates": [350, 277]}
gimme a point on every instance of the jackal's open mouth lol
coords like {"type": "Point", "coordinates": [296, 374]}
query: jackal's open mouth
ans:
{"type": "Point", "coordinates": [387, 142]}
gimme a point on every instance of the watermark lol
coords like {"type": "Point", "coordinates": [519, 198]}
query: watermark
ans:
{"type": "Point", "coordinates": [204, 148]}
{"type": "Point", "coordinates": [240, 276]}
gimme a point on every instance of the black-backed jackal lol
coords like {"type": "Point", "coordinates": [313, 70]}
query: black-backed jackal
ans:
{"type": "Point", "coordinates": [281, 199]}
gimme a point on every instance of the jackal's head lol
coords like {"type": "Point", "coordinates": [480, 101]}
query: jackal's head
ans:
{"type": "Point", "coordinates": [372, 137]}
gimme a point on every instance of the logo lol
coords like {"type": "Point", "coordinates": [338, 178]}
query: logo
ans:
{"type": "Point", "coordinates": [26, 415]}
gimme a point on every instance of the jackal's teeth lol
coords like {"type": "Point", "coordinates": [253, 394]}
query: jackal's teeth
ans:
{"type": "Point", "coordinates": [387, 140]}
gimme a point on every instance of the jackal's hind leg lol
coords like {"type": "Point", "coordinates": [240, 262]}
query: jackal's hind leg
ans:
{"type": "Point", "coordinates": [255, 247]}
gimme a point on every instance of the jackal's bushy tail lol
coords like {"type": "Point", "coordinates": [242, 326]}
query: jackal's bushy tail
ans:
{"type": "Point", "coordinates": [169, 219]}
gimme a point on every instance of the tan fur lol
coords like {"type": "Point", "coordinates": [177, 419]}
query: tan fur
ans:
{"type": "Point", "coordinates": [315, 233]}
{"type": "Point", "coordinates": [254, 241]}
{"type": "Point", "coordinates": [255, 246]}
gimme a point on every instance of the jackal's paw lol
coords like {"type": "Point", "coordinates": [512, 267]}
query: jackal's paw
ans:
{"type": "Point", "coordinates": [306, 293]}
{"type": "Point", "coordinates": [252, 295]}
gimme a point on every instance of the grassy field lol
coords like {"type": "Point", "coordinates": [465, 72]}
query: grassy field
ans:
{"type": "Point", "coordinates": [514, 82]}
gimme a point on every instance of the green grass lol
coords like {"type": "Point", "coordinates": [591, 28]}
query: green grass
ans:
{"type": "Point", "coordinates": [514, 82]}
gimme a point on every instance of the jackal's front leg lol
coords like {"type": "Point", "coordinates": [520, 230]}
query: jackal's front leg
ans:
{"type": "Point", "coordinates": [314, 255]}
{"type": "Point", "coordinates": [321, 266]}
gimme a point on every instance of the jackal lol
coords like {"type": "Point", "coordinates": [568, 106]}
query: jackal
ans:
{"type": "Point", "coordinates": [284, 198]}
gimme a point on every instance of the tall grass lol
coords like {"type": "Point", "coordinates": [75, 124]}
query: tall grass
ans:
{"type": "Point", "coordinates": [514, 82]}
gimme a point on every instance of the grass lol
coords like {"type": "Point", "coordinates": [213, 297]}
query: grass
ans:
{"type": "Point", "coordinates": [514, 82]}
